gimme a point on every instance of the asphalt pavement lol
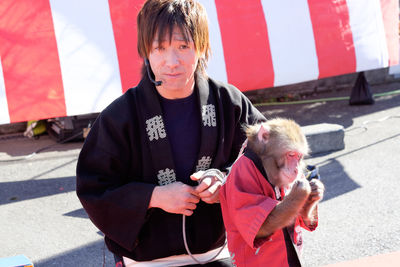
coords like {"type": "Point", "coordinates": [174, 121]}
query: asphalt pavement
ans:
{"type": "Point", "coordinates": [359, 218]}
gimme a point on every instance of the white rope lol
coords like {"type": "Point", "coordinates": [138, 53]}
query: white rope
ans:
{"type": "Point", "coordinates": [214, 173]}
{"type": "Point", "coordinates": [365, 128]}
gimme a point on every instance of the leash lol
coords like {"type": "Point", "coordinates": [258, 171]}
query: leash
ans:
{"type": "Point", "coordinates": [213, 173]}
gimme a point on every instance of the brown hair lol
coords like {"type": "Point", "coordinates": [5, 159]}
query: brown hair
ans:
{"type": "Point", "coordinates": [160, 16]}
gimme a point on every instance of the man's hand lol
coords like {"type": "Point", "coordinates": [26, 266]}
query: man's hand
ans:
{"type": "Point", "coordinates": [208, 189]}
{"type": "Point", "coordinates": [176, 197]}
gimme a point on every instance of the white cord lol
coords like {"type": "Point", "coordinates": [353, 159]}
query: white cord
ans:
{"type": "Point", "coordinates": [382, 119]}
{"type": "Point", "coordinates": [368, 122]}
{"type": "Point", "coordinates": [208, 173]}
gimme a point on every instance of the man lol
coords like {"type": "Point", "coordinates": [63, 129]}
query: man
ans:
{"type": "Point", "coordinates": [141, 166]}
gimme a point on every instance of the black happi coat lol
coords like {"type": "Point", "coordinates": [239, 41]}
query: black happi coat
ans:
{"type": "Point", "coordinates": [127, 154]}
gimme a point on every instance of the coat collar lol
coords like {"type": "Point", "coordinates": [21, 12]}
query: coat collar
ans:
{"type": "Point", "coordinates": [152, 124]}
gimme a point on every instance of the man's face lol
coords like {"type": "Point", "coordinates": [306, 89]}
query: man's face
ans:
{"type": "Point", "coordinates": [174, 63]}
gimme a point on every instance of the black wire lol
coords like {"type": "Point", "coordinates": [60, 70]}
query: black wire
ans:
{"type": "Point", "coordinates": [14, 136]}
{"type": "Point", "coordinates": [44, 148]}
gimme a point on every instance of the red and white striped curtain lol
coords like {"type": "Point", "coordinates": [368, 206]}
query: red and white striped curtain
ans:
{"type": "Point", "coordinates": [62, 58]}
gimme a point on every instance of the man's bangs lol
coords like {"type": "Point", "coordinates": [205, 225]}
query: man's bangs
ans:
{"type": "Point", "coordinates": [166, 23]}
{"type": "Point", "coordinates": [158, 18]}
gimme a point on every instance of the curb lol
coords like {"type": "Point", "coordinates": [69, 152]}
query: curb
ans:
{"type": "Point", "coordinates": [324, 137]}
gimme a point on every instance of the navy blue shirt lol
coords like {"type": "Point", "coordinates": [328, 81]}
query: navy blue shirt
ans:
{"type": "Point", "coordinates": [182, 124]}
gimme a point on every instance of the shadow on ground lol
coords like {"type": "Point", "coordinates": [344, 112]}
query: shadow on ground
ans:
{"type": "Point", "coordinates": [12, 192]}
{"type": "Point", "coordinates": [93, 254]}
{"type": "Point", "coordinates": [336, 181]}
{"type": "Point", "coordinates": [79, 213]}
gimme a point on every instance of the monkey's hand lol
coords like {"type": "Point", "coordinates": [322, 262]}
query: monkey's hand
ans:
{"type": "Point", "coordinates": [308, 211]}
{"type": "Point", "coordinates": [317, 190]}
{"type": "Point", "coordinates": [176, 197]}
{"type": "Point", "coordinates": [208, 188]}
{"type": "Point", "coordinates": [287, 210]}
{"type": "Point", "coordinates": [301, 189]}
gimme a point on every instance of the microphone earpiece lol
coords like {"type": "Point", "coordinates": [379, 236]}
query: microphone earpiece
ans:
{"type": "Point", "coordinates": [147, 63]}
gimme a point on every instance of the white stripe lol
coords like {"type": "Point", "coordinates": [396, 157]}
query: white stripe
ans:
{"type": "Point", "coordinates": [4, 115]}
{"type": "Point", "coordinates": [291, 40]}
{"type": "Point", "coordinates": [88, 56]}
{"type": "Point", "coordinates": [216, 63]}
{"type": "Point", "coordinates": [368, 34]}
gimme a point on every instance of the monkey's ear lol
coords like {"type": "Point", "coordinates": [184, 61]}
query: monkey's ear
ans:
{"type": "Point", "coordinates": [263, 134]}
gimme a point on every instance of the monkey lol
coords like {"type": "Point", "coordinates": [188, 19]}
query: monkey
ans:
{"type": "Point", "coordinates": [266, 197]}
{"type": "Point", "coordinates": [281, 145]}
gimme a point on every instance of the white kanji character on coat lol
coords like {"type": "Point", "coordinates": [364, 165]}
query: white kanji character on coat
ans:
{"type": "Point", "coordinates": [209, 115]}
{"type": "Point", "coordinates": [155, 128]}
{"type": "Point", "coordinates": [166, 176]}
{"type": "Point", "coordinates": [204, 163]}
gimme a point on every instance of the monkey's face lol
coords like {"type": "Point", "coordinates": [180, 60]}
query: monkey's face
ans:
{"type": "Point", "coordinates": [289, 168]}
{"type": "Point", "coordinates": [281, 145]}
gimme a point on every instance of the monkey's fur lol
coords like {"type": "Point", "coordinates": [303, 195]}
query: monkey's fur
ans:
{"type": "Point", "coordinates": [281, 146]}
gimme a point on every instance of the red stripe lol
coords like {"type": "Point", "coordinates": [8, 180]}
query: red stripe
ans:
{"type": "Point", "coordinates": [28, 50]}
{"type": "Point", "coordinates": [123, 16]}
{"type": "Point", "coordinates": [390, 12]}
{"type": "Point", "coordinates": [245, 41]}
{"type": "Point", "coordinates": [333, 37]}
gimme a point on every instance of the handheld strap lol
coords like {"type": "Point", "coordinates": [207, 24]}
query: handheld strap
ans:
{"type": "Point", "coordinates": [208, 173]}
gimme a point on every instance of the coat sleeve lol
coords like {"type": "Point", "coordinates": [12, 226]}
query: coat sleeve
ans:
{"type": "Point", "coordinates": [310, 227]}
{"type": "Point", "coordinates": [249, 115]}
{"type": "Point", "coordinates": [115, 204]}
{"type": "Point", "coordinates": [245, 201]}
{"type": "Point", "coordinates": [239, 112]}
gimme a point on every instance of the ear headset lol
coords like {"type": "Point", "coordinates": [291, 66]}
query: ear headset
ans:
{"type": "Point", "coordinates": [147, 63]}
